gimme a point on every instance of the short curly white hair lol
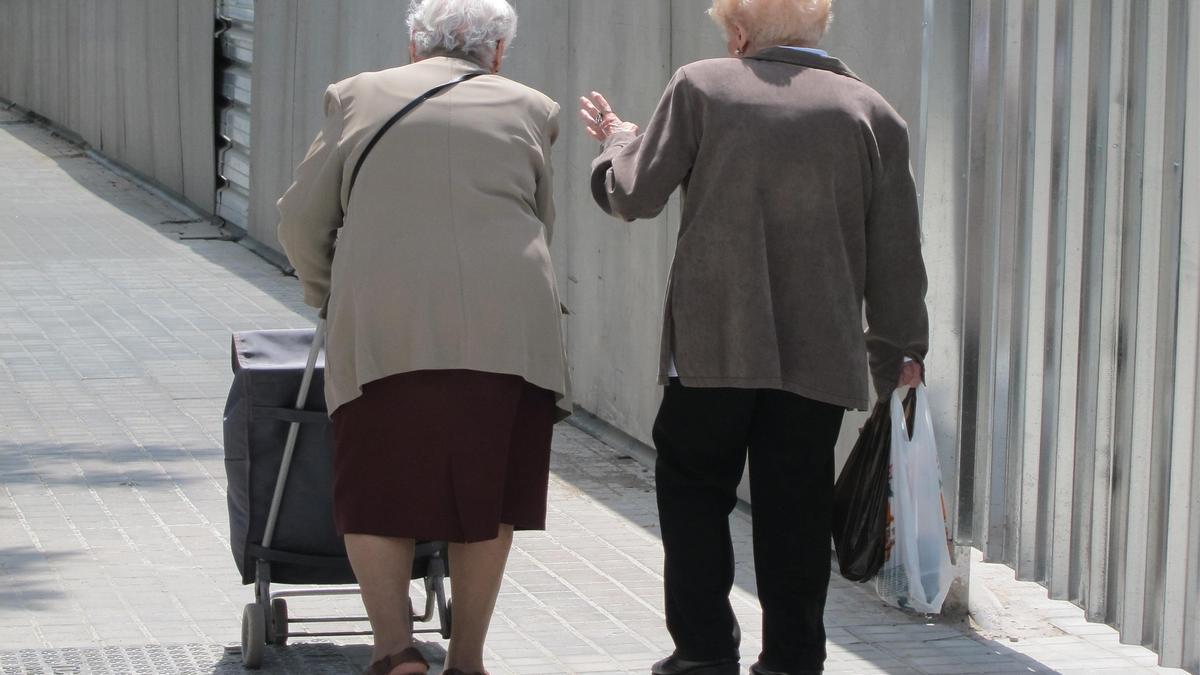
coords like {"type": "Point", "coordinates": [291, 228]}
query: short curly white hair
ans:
{"type": "Point", "coordinates": [776, 22]}
{"type": "Point", "coordinates": [469, 28]}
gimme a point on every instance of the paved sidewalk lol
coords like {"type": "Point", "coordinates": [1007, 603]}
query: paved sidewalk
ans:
{"type": "Point", "coordinates": [115, 315]}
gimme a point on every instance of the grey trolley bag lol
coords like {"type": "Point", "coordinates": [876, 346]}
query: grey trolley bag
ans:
{"type": "Point", "coordinates": [281, 494]}
{"type": "Point", "coordinates": [279, 463]}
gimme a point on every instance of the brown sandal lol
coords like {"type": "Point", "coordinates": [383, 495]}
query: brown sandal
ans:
{"type": "Point", "coordinates": [386, 664]}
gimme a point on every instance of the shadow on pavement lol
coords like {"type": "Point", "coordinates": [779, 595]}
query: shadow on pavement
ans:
{"type": "Point", "coordinates": [859, 624]}
{"type": "Point", "coordinates": [318, 658]}
{"type": "Point", "coordinates": [28, 582]}
{"type": "Point", "coordinates": [71, 468]}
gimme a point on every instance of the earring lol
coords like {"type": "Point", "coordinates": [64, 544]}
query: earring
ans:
{"type": "Point", "coordinates": [739, 51]}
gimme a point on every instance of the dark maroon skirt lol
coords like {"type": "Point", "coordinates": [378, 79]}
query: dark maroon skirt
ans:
{"type": "Point", "coordinates": [444, 455]}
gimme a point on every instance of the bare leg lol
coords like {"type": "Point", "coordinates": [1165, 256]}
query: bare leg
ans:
{"type": "Point", "coordinates": [477, 571]}
{"type": "Point", "coordinates": [383, 566]}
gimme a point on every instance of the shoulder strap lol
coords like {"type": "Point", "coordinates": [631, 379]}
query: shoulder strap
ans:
{"type": "Point", "coordinates": [396, 118]}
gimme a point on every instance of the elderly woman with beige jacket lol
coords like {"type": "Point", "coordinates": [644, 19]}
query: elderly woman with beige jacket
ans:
{"type": "Point", "coordinates": [799, 212]}
{"type": "Point", "coordinates": [445, 368]}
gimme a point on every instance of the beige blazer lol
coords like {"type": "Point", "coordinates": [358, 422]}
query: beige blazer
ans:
{"type": "Point", "coordinates": [442, 258]}
{"type": "Point", "coordinates": [799, 212]}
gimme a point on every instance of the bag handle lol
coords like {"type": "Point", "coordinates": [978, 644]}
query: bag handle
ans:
{"type": "Point", "coordinates": [396, 118]}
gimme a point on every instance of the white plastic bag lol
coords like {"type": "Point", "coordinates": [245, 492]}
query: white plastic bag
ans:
{"type": "Point", "coordinates": [917, 570]}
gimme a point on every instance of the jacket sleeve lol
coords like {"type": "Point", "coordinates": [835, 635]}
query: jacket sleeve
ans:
{"type": "Point", "coordinates": [310, 212]}
{"type": "Point", "coordinates": [634, 176]}
{"type": "Point", "coordinates": [897, 320]}
{"type": "Point", "coordinates": [545, 179]}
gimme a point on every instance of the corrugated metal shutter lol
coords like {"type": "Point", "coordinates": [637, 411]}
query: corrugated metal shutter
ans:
{"type": "Point", "coordinates": [1082, 309]}
{"type": "Point", "coordinates": [233, 162]}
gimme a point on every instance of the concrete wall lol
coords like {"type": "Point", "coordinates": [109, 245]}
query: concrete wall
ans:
{"type": "Point", "coordinates": [613, 273]}
{"type": "Point", "coordinates": [134, 78]}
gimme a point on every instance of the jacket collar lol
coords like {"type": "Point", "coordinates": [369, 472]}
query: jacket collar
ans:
{"type": "Point", "coordinates": [805, 59]}
{"type": "Point", "coordinates": [452, 65]}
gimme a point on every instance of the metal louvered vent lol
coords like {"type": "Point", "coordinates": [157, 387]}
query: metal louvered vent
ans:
{"type": "Point", "coordinates": [236, 21]}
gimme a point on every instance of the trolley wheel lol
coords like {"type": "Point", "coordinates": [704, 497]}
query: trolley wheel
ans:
{"type": "Point", "coordinates": [254, 635]}
{"type": "Point", "coordinates": [279, 622]}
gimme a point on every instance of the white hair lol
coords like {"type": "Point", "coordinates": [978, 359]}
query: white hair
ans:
{"type": "Point", "coordinates": [469, 28]}
{"type": "Point", "coordinates": [776, 22]}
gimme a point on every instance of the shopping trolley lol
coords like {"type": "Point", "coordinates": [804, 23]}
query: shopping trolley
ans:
{"type": "Point", "coordinates": [279, 464]}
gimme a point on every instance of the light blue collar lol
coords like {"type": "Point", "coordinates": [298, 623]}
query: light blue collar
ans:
{"type": "Point", "coordinates": [811, 50]}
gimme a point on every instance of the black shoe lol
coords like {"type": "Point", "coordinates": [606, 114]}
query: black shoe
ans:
{"type": "Point", "coordinates": [759, 669]}
{"type": "Point", "coordinates": [673, 665]}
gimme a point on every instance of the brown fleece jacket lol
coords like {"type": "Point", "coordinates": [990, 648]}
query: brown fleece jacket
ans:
{"type": "Point", "coordinates": [799, 210]}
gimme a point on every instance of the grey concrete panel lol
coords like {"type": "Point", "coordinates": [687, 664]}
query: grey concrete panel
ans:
{"type": "Point", "coordinates": [371, 36]}
{"type": "Point", "coordinates": [111, 139]}
{"type": "Point", "coordinates": [195, 57]}
{"type": "Point", "coordinates": [163, 81]}
{"type": "Point", "coordinates": [133, 32]}
{"type": "Point", "coordinates": [6, 49]}
{"type": "Point", "coordinates": [694, 35]}
{"type": "Point", "coordinates": [60, 56]}
{"type": "Point", "coordinates": [17, 61]}
{"type": "Point", "coordinates": [539, 55]}
{"type": "Point", "coordinates": [882, 42]}
{"type": "Point", "coordinates": [26, 49]}
{"type": "Point", "coordinates": [617, 270]}
{"type": "Point", "coordinates": [37, 86]}
{"type": "Point", "coordinates": [89, 122]}
{"type": "Point", "coordinates": [73, 68]}
{"type": "Point", "coordinates": [272, 112]}
{"type": "Point", "coordinates": [45, 90]}
{"type": "Point", "coordinates": [111, 71]}
{"type": "Point", "coordinates": [320, 51]}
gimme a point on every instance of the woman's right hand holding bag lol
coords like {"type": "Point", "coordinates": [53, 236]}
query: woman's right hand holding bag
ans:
{"type": "Point", "coordinates": [917, 571]}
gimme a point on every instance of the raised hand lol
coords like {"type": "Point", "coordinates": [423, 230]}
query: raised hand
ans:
{"type": "Point", "coordinates": [599, 120]}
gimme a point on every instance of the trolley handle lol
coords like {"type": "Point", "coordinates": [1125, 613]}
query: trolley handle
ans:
{"type": "Point", "coordinates": [289, 447]}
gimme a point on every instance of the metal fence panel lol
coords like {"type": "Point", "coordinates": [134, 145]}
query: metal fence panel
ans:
{"type": "Point", "coordinates": [1082, 313]}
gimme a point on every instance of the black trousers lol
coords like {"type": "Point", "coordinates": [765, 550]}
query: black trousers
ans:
{"type": "Point", "coordinates": [702, 437]}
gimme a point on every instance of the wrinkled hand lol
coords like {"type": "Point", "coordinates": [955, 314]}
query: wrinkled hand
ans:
{"type": "Point", "coordinates": [910, 375]}
{"type": "Point", "coordinates": [599, 120]}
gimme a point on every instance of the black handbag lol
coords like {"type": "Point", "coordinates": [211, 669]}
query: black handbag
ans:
{"type": "Point", "coordinates": [860, 496]}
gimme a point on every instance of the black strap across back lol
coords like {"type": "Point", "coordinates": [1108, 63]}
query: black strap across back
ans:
{"type": "Point", "coordinates": [396, 118]}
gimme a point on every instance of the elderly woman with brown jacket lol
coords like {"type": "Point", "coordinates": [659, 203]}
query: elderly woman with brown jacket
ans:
{"type": "Point", "coordinates": [799, 211]}
{"type": "Point", "coordinates": [445, 369]}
